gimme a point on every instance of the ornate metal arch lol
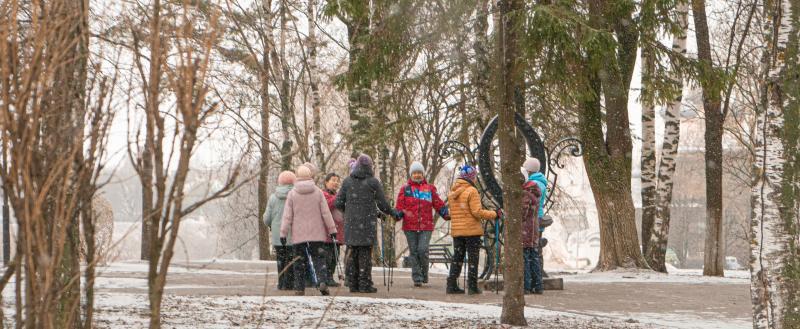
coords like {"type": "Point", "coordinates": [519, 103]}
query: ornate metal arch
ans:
{"type": "Point", "coordinates": [490, 188]}
{"type": "Point", "coordinates": [535, 147]}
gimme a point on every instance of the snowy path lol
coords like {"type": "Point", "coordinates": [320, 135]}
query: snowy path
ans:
{"type": "Point", "coordinates": [225, 294]}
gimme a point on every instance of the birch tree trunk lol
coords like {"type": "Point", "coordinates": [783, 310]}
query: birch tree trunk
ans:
{"type": "Point", "coordinates": [648, 160]}
{"type": "Point", "coordinates": [775, 243]}
{"type": "Point", "coordinates": [313, 78]}
{"type": "Point", "coordinates": [510, 84]}
{"type": "Point", "coordinates": [656, 248]}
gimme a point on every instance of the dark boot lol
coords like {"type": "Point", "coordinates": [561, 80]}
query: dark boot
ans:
{"type": "Point", "coordinates": [368, 290]}
{"type": "Point", "coordinates": [473, 288]}
{"type": "Point", "coordinates": [351, 269]}
{"type": "Point", "coordinates": [323, 289]}
{"type": "Point", "coordinates": [473, 248]}
{"type": "Point", "coordinates": [474, 291]}
{"type": "Point", "coordinates": [452, 287]}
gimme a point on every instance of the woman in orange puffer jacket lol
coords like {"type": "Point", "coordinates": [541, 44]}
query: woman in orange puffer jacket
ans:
{"type": "Point", "coordinates": [466, 214]}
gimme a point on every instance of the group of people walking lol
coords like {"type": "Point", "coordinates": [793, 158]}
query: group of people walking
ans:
{"type": "Point", "coordinates": [310, 224]}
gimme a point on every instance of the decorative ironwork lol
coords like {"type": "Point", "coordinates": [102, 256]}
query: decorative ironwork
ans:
{"type": "Point", "coordinates": [450, 148]}
{"type": "Point", "coordinates": [570, 144]}
{"type": "Point", "coordinates": [535, 148]}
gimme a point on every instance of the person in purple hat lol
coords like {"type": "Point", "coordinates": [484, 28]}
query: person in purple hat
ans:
{"type": "Point", "coordinates": [361, 198]}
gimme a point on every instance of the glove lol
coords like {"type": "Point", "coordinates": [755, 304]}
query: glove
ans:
{"type": "Point", "coordinates": [398, 214]}
{"type": "Point", "coordinates": [283, 242]}
{"type": "Point", "coordinates": [545, 221]}
{"type": "Point", "coordinates": [333, 236]}
{"type": "Point", "coordinates": [444, 212]}
{"type": "Point", "coordinates": [499, 213]}
{"type": "Point", "coordinates": [446, 217]}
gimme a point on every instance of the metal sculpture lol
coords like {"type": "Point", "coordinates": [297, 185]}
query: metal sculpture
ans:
{"type": "Point", "coordinates": [490, 189]}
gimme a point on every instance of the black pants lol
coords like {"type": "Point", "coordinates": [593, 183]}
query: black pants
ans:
{"type": "Point", "coordinates": [332, 250]}
{"type": "Point", "coordinates": [302, 251]}
{"type": "Point", "coordinates": [359, 267]}
{"type": "Point", "coordinates": [285, 272]}
{"type": "Point", "coordinates": [465, 246]}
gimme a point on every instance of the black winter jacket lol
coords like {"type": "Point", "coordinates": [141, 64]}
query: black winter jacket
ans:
{"type": "Point", "coordinates": [360, 197]}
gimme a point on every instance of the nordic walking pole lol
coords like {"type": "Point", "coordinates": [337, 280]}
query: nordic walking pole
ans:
{"type": "Point", "coordinates": [383, 259]}
{"type": "Point", "coordinates": [466, 267]}
{"type": "Point", "coordinates": [336, 254]}
{"type": "Point", "coordinates": [348, 253]}
{"type": "Point", "coordinates": [391, 269]}
{"type": "Point", "coordinates": [311, 261]}
{"type": "Point", "coordinates": [496, 256]}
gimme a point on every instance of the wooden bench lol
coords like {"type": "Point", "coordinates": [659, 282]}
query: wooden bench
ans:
{"type": "Point", "coordinates": [440, 253]}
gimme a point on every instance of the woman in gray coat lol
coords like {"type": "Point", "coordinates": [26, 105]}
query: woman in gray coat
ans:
{"type": "Point", "coordinates": [360, 198]}
{"type": "Point", "coordinates": [272, 219]}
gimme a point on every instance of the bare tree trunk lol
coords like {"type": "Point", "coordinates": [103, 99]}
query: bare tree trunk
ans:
{"type": "Point", "coordinates": [359, 85]}
{"type": "Point", "coordinates": [63, 130]}
{"type": "Point", "coordinates": [89, 221]}
{"type": "Point", "coordinates": [480, 71]}
{"type": "Point", "coordinates": [712, 107]}
{"type": "Point", "coordinates": [283, 92]}
{"type": "Point", "coordinates": [153, 95]}
{"type": "Point", "coordinates": [264, 251]}
{"type": "Point", "coordinates": [775, 243]}
{"type": "Point", "coordinates": [607, 141]}
{"type": "Point", "coordinates": [187, 82]}
{"type": "Point", "coordinates": [510, 88]}
{"type": "Point", "coordinates": [655, 250]}
{"type": "Point", "coordinates": [609, 176]}
{"type": "Point", "coordinates": [264, 247]}
{"type": "Point", "coordinates": [46, 175]}
{"type": "Point", "coordinates": [387, 224]}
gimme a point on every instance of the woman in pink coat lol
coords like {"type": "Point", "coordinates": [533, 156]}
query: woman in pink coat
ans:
{"type": "Point", "coordinates": [307, 216]}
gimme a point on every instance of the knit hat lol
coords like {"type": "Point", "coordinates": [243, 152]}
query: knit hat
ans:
{"type": "Point", "coordinates": [364, 160]}
{"type": "Point", "coordinates": [532, 165]}
{"type": "Point", "coordinates": [286, 178]}
{"type": "Point", "coordinates": [467, 172]}
{"type": "Point", "coordinates": [312, 167]}
{"type": "Point", "coordinates": [416, 166]}
{"type": "Point", "coordinates": [303, 173]}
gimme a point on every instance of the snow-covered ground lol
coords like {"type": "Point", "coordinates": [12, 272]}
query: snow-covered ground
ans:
{"type": "Point", "coordinates": [687, 276]}
{"type": "Point", "coordinates": [129, 311]}
{"type": "Point", "coordinates": [229, 294]}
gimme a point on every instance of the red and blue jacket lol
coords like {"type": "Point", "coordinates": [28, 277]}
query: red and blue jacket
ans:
{"type": "Point", "coordinates": [417, 202]}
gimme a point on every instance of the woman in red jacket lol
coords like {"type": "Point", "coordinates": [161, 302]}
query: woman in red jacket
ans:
{"type": "Point", "coordinates": [333, 249]}
{"type": "Point", "coordinates": [417, 200]}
